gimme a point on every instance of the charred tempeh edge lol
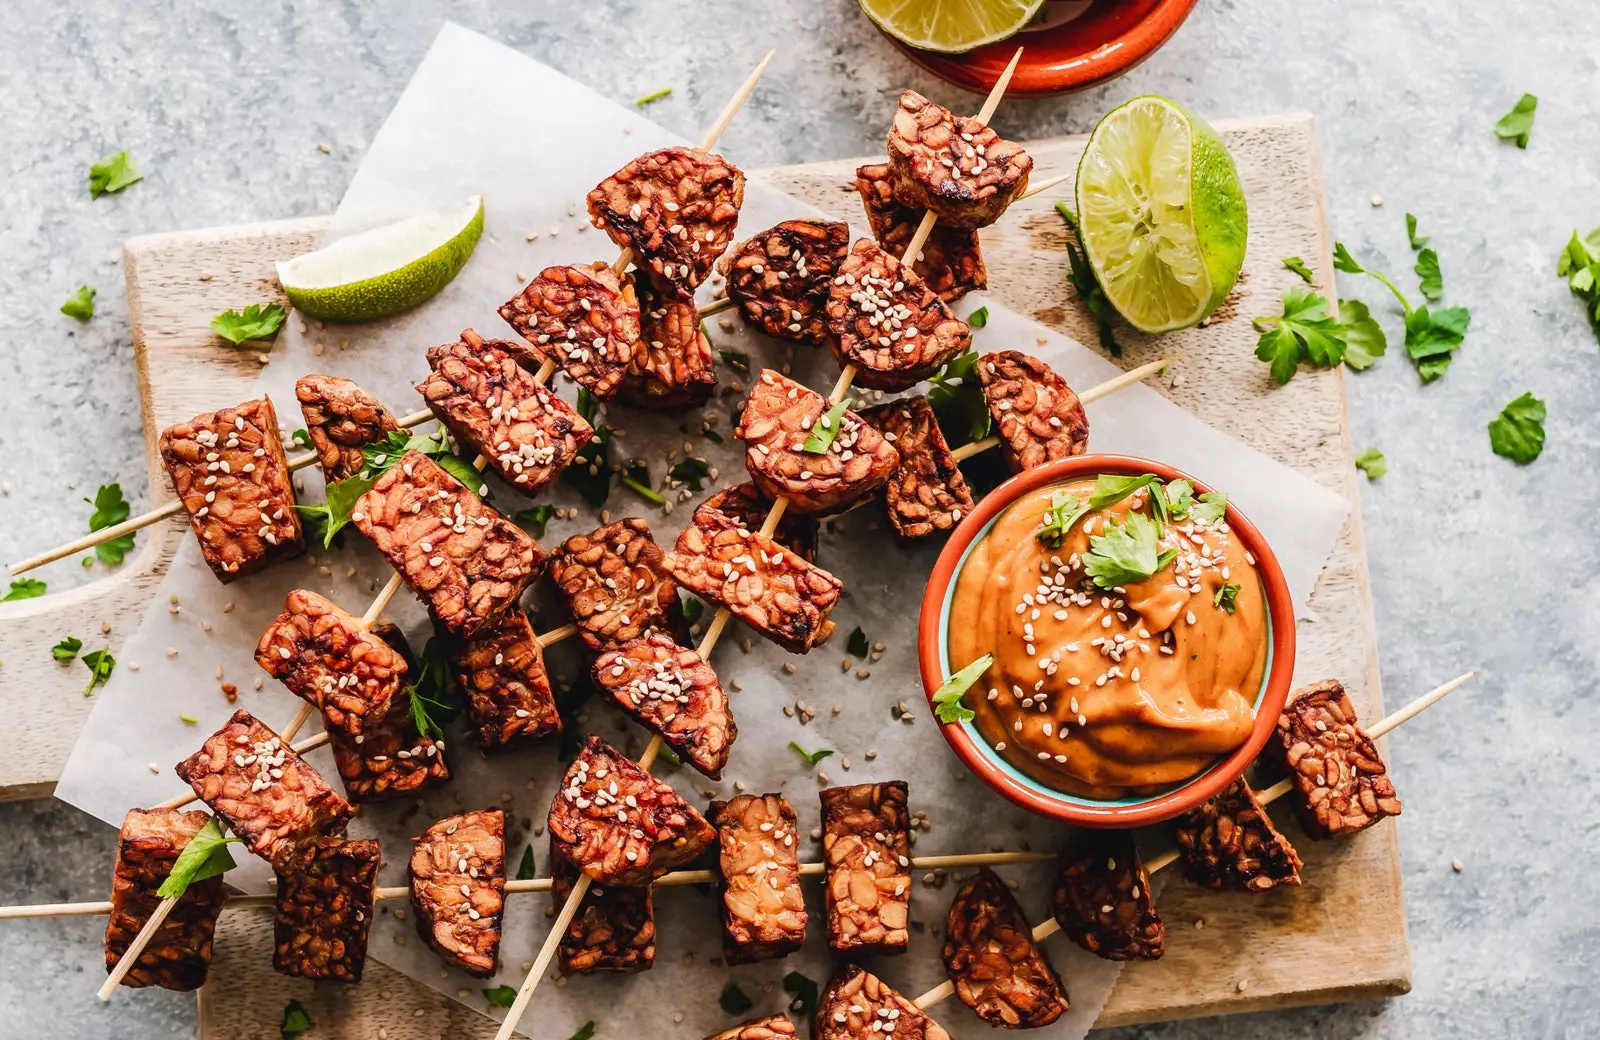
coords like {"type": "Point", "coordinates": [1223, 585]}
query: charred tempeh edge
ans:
{"type": "Point", "coordinates": [954, 165]}
{"type": "Point", "coordinates": [324, 911]}
{"type": "Point", "coordinates": [671, 690]}
{"type": "Point", "coordinates": [1102, 898]}
{"type": "Point", "coordinates": [501, 670]}
{"type": "Point", "coordinates": [927, 492]}
{"type": "Point", "coordinates": [1230, 842]}
{"type": "Point", "coordinates": [763, 907]}
{"type": "Point", "coordinates": [888, 323]}
{"type": "Point", "coordinates": [950, 261]}
{"type": "Point", "coordinates": [866, 846]}
{"type": "Point", "coordinates": [458, 885]}
{"type": "Point", "coordinates": [746, 506]}
{"type": "Point", "coordinates": [779, 277]}
{"type": "Point", "coordinates": [585, 319]}
{"type": "Point", "coordinates": [613, 930]}
{"type": "Point", "coordinates": [615, 584]}
{"type": "Point", "coordinates": [229, 471]}
{"type": "Point", "coordinates": [179, 954]}
{"type": "Point", "coordinates": [856, 1005]}
{"type": "Point", "coordinates": [324, 656]}
{"type": "Point", "coordinates": [392, 757]}
{"type": "Point", "coordinates": [1036, 415]}
{"type": "Point", "coordinates": [1340, 782]}
{"type": "Point", "coordinates": [341, 419]}
{"type": "Point", "coordinates": [989, 954]}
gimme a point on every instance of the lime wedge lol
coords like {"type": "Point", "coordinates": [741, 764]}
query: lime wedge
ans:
{"type": "Point", "coordinates": [386, 270]}
{"type": "Point", "coordinates": [1162, 214]}
{"type": "Point", "coordinates": [950, 26]}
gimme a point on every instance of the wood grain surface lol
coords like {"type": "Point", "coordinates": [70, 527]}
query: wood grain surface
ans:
{"type": "Point", "coordinates": [1340, 936]}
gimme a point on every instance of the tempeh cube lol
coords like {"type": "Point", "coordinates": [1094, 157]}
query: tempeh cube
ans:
{"type": "Point", "coordinates": [1230, 842]}
{"type": "Point", "coordinates": [324, 911]}
{"type": "Point", "coordinates": [391, 757]}
{"type": "Point", "coordinates": [676, 209]}
{"type": "Point", "coordinates": [268, 796]}
{"type": "Point", "coordinates": [746, 506]}
{"type": "Point", "coordinates": [494, 405]}
{"type": "Point", "coordinates": [1036, 415]}
{"type": "Point", "coordinates": [1102, 898]}
{"type": "Point", "coordinates": [673, 368]}
{"type": "Point", "coordinates": [866, 846]}
{"type": "Point", "coordinates": [324, 656]}
{"type": "Point", "coordinates": [954, 165]}
{"type": "Point", "coordinates": [765, 585]}
{"type": "Point", "coordinates": [671, 690]}
{"type": "Point", "coordinates": [179, 954]}
{"type": "Point", "coordinates": [857, 1005]}
{"type": "Point", "coordinates": [780, 277]}
{"type": "Point", "coordinates": [773, 1027]}
{"type": "Point", "coordinates": [615, 584]}
{"type": "Point", "coordinates": [1341, 784]}
{"type": "Point", "coordinates": [501, 670]}
{"type": "Point", "coordinates": [926, 492]}
{"type": "Point", "coordinates": [585, 319]}
{"type": "Point", "coordinates": [613, 930]}
{"type": "Point", "coordinates": [950, 261]}
{"type": "Point", "coordinates": [888, 323]}
{"type": "Point", "coordinates": [619, 824]}
{"type": "Point", "coordinates": [997, 969]}
{"type": "Point", "coordinates": [778, 419]}
{"type": "Point", "coordinates": [468, 563]}
{"type": "Point", "coordinates": [229, 471]}
{"type": "Point", "coordinates": [341, 419]}
{"type": "Point", "coordinates": [763, 907]}
{"type": "Point", "coordinates": [458, 888]}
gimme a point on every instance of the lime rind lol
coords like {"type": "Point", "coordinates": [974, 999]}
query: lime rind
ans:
{"type": "Point", "coordinates": [951, 26]}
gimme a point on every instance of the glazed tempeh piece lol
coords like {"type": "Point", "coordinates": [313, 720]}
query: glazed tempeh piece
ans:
{"type": "Point", "coordinates": [458, 886]}
{"type": "Point", "coordinates": [619, 824]}
{"type": "Point", "coordinates": [765, 585]}
{"type": "Point", "coordinates": [763, 907]}
{"type": "Point", "coordinates": [746, 506]}
{"type": "Point", "coordinates": [671, 690]}
{"type": "Point", "coordinates": [1102, 897]}
{"type": "Point", "coordinates": [866, 847]}
{"type": "Point", "coordinates": [773, 1027]}
{"type": "Point", "coordinates": [926, 493]}
{"type": "Point", "coordinates": [585, 319]}
{"type": "Point", "coordinates": [615, 584]}
{"type": "Point", "coordinates": [391, 758]}
{"type": "Point", "coordinates": [268, 796]}
{"type": "Point", "coordinates": [673, 368]}
{"type": "Point", "coordinates": [1230, 842]}
{"type": "Point", "coordinates": [324, 656]}
{"type": "Point", "coordinates": [494, 405]}
{"type": "Point", "coordinates": [888, 323]}
{"type": "Point", "coordinates": [179, 954]}
{"type": "Point", "coordinates": [780, 277]}
{"type": "Point", "coordinates": [950, 261]}
{"type": "Point", "coordinates": [324, 911]}
{"type": "Point", "coordinates": [676, 209]}
{"type": "Point", "coordinates": [613, 930]}
{"type": "Point", "coordinates": [777, 420]}
{"type": "Point", "coordinates": [954, 165]}
{"type": "Point", "coordinates": [341, 419]}
{"type": "Point", "coordinates": [1340, 782]}
{"type": "Point", "coordinates": [996, 967]}
{"type": "Point", "coordinates": [468, 563]}
{"type": "Point", "coordinates": [1036, 415]}
{"type": "Point", "coordinates": [501, 670]}
{"type": "Point", "coordinates": [858, 1005]}
{"type": "Point", "coordinates": [229, 471]}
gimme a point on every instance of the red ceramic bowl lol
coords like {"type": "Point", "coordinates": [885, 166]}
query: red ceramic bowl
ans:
{"type": "Point", "coordinates": [988, 765]}
{"type": "Point", "coordinates": [1060, 57]}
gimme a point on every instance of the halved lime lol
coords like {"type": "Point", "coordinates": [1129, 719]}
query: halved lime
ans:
{"type": "Point", "coordinates": [1162, 214]}
{"type": "Point", "coordinates": [950, 26]}
{"type": "Point", "coordinates": [386, 270]}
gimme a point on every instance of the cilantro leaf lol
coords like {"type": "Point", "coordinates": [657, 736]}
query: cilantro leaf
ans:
{"type": "Point", "coordinates": [110, 509]}
{"type": "Point", "coordinates": [1371, 462]}
{"type": "Point", "coordinates": [654, 95]}
{"type": "Point", "coordinates": [825, 429]}
{"type": "Point", "coordinates": [302, 437]}
{"type": "Point", "coordinates": [1343, 261]}
{"type": "Point", "coordinates": [1417, 241]}
{"type": "Point", "coordinates": [1364, 339]}
{"type": "Point", "coordinates": [205, 856]}
{"type": "Point", "coordinates": [429, 693]}
{"type": "Point", "coordinates": [1305, 331]}
{"type": "Point", "coordinates": [588, 407]}
{"type": "Point", "coordinates": [1225, 598]}
{"type": "Point", "coordinates": [80, 304]}
{"type": "Point", "coordinates": [1080, 275]}
{"type": "Point", "coordinates": [24, 588]}
{"type": "Point", "coordinates": [812, 757]}
{"type": "Point", "coordinates": [1111, 488]}
{"type": "Point", "coordinates": [1579, 264]}
{"type": "Point", "coordinates": [1056, 522]}
{"type": "Point", "coordinates": [1432, 337]}
{"type": "Point", "coordinates": [526, 869]}
{"type": "Point", "coordinates": [469, 475]}
{"type": "Point", "coordinates": [67, 649]}
{"type": "Point", "coordinates": [295, 1020]}
{"type": "Point", "coordinates": [1211, 508]}
{"type": "Point", "coordinates": [858, 646]}
{"type": "Point", "coordinates": [692, 472]}
{"type": "Point", "coordinates": [636, 478]}
{"type": "Point", "coordinates": [1517, 124]}
{"type": "Point", "coordinates": [1427, 269]}
{"type": "Point", "coordinates": [500, 996]}
{"type": "Point", "coordinates": [100, 663]}
{"type": "Point", "coordinates": [1517, 433]}
{"type": "Point", "coordinates": [736, 359]}
{"type": "Point", "coordinates": [947, 698]}
{"type": "Point", "coordinates": [534, 518]}
{"type": "Point", "coordinates": [803, 989]}
{"type": "Point", "coordinates": [956, 396]}
{"type": "Point", "coordinates": [382, 456]}
{"type": "Point", "coordinates": [585, 1031]}
{"type": "Point", "coordinates": [1124, 554]}
{"type": "Point", "coordinates": [111, 174]}
{"type": "Point", "coordinates": [256, 322]}
{"type": "Point", "coordinates": [330, 517]}
{"type": "Point", "coordinates": [733, 999]}
{"type": "Point", "coordinates": [978, 318]}
{"type": "Point", "coordinates": [1180, 498]}
{"type": "Point", "coordinates": [1298, 266]}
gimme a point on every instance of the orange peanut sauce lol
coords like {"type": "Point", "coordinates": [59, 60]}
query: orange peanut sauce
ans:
{"type": "Point", "coordinates": [1108, 693]}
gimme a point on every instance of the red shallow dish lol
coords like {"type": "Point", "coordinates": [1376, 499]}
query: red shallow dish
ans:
{"type": "Point", "coordinates": [1106, 40]}
{"type": "Point", "coordinates": [1135, 811]}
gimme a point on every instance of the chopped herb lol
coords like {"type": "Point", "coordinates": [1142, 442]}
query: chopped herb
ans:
{"type": "Point", "coordinates": [1364, 340]}
{"type": "Point", "coordinates": [692, 472]}
{"type": "Point", "coordinates": [534, 518]}
{"type": "Point", "coordinates": [825, 429]}
{"type": "Point", "coordinates": [636, 478]}
{"type": "Point", "coordinates": [1517, 124]}
{"type": "Point", "coordinates": [111, 174]}
{"type": "Point", "coordinates": [803, 991]}
{"type": "Point", "coordinates": [468, 474]}
{"type": "Point", "coordinates": [1371, 462]}
{"type": "Point", "coordinates": [1580, 266]}
{"type": "Point", "coordinates": [256, 322]}
{"type": "Point", "coordinates": [295, 1020]}
{"type": "Point", "coordinates": [187, 719]}
{"type": "Point", "coordinates": [526, 869]}
{"type": "Point", "coordinates": [1517, 433]}
{"type": "Point", "coordinates": [100, 663]}
{"type": "Point", "coordinates": [1433, 337]}
{"type": "Point", "coordinates": [1225, 598]}
{"type": "Point", "coordinates": [590, 471]}
{"type": "Point", "coordinates": [1306, 331]}
{"type": "Point", "coordinates": [693, 608]}
{"type": "Point", "coordinates": [381, 456]}
{"type": "Point", "coordinates": [1080, 275]}
{"type": "Point", "coordinates": [1111, 488]}
{"type": "Point", "coordinates": [24, 588]}
{"type": "Point", "coordinates": [1432, 279]}
{"type": "Point", "coordinates": [712, 435]}
{"type": "Point", "coordinates": [654, 95]}
{"type": "Point", "coordinates": [67, 649]}
{"type": "Point", "coordinates": [947, 698]}
{"type": "Point", "coordinates": [1298, 266]}
{"type": "Point", "coordinates": [733, 999]}
{"type": "Point", "coordinates": [1126, 553]}
{"type": "Point", "coordinates": [205, 856]}
{"type": "Point", "coordinates": [1417, 241]}
{"type": "Point", "coordinates": [302, 437]}
{"type": "Point", "coordinates": [500, 996]}
{"type": "Point", "coordinates": [979, 318]}
{"type": "Point", "coordinates": [858, 646]}
{"type": "Point", "coordinates": [80, 304]}
{"type": "Point", "coordinates": [110, 509]}
{"type": "Point", "coordinates": [588, 407]}
{"type": "Point", "coordinates": [735, 359]}
{"type": "Point", "coordinates": [813, 757]}
{"type": "Point", "coordinates": [669, 758]}
{"type": "Point", "coordinates": [327, 519]}
{"type": "Point", "coordinates": [429, 693]}
{"type": "Point", "coordinates": [956, 395]}
{"type": "Point", "coordinates": [1055, 523]}
{"type": "Point", "coordinates": [585, 1031]}
{"type": "Point", "coordinates": [1211, 508]}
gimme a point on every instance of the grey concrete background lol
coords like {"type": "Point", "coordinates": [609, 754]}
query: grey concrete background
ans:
{"type": "Point", "coordinates": [1474, 561]}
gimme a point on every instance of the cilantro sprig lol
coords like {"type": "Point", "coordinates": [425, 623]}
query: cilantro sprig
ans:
{"type": "Point", "coordinates": [255, 322]}
{"type": "Point", "coordinates": [858, 645]}
{"type": "Point", "coordinates": [1307, 331]}
{"type": "Point", "coordinates": [811, 757]}
{"type": "Point", "coordinates": [1226, 598]}
{"type": "Point", "coordinates": [67, 649]}
{"type": "Point", "coordinates": [956, 396]}
{"type": "Point", "coordinates": [1298, 266]}
{"type": "Point", "coordinates": [100, 664]}
{"type": "Point", "coordinates": [1517, 433]}
{"type": "Point", "coordinates": [429, 693]}
{"type": "Point", "coordinates": [500, 996]}
{"type": "Point", "coordinates": [1432, 335]}
{"type": "Point", "coordinates": [947, 704]}
{"type": "Point", "coordinates": [110, 509]}
{"type": "Point", "coordinates": [1126, 553]}
{"type": "Point", "coordinates": [1080, 275]}
{"type": "Point", "coordinates": [1055, 523]}
{"type": "Point", "coordinates": [825, 429]}
{"type": "Point", "coordinates": [654, 95]}
{"type": "Point", "coordinates": [24, 588]}
{"type": "Point", "coordinates": [205, 856]}
{"type": "Point", "coordinates": [1579, 264]}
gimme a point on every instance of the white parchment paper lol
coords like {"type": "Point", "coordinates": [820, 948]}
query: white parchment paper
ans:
{"type": "Point", "coordinates": [480, 118]}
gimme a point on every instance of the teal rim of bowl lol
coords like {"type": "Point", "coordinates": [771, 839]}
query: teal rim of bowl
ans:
{"type": "Point", "coordinates": [998, 760]}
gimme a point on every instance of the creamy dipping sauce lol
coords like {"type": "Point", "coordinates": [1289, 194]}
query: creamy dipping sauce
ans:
{"type": "Point", "coordinates": [1106, 693]}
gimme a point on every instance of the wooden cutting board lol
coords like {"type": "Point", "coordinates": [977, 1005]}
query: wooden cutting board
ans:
{"type": "Point", "coordinates": [1341, 936]}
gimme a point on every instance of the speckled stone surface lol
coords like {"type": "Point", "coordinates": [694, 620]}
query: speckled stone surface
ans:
{"type": "Point", "coordinates": [1475, 562]}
